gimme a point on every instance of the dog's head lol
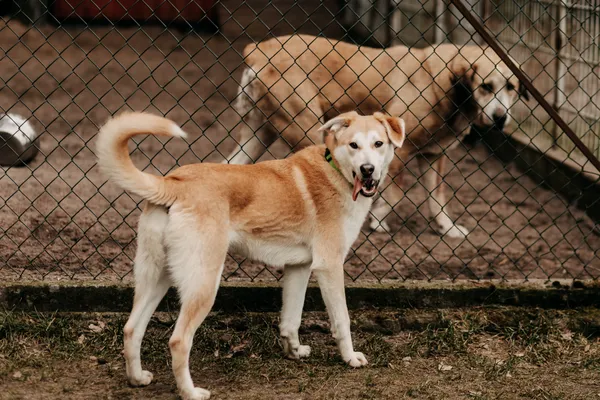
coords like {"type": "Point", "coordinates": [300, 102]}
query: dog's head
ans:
{"type": "Point", "coordinates": [492, 87]}
{"type": "Point", "coordinates": [363, 147]}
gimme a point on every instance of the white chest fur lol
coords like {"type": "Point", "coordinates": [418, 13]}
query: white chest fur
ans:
{"type": "Point", "coordinates": [355, 213]}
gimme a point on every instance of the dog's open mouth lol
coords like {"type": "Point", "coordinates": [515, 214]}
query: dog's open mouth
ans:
{"type": "Point", "coordinates": [366, 187]}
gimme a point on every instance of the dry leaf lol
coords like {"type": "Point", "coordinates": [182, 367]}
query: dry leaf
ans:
{"type": "Point", "coordinates": [568, 335]}
{"type": "Point", "coordinates": [444, 367]}
{"type": "Point", "coordinates": [239, 348]}
{"type": "Point", "coordinates": [96, 328]}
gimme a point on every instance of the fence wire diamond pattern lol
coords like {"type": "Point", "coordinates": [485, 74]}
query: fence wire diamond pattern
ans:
{"type": "Point", "coordinates": [66, 73]}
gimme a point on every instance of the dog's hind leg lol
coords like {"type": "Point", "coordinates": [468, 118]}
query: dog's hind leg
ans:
{"type": "Point", "coordinates": [196, 256]}
{"type": "Point", "coordinates": [255, 138]}
{"type": "Point", "coordinates": [255, 133]}
{"type": "Point", "coordinates": [151, 284]}
{"type": "Point", "coordinates": [295, 281]}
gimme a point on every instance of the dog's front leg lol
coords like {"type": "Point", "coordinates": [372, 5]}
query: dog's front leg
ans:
{"type": "Point", "coordinates": [433, 171]}
{"type": "Point", "coordinates": [384, 205]}
{"type": "Point", "coordinates": [329, 271]}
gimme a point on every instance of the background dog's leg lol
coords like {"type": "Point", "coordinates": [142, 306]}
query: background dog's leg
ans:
{"type": "Point", "coordinates": [433, 173]}
{"type": "Point", "coordinates": [196, 263]}
{"type": "Point", "coordinates": [255, 136]}
{"type": "Point", "coordinates": [295, 281]}
{"type": "Point", "coordinates": [385, 203]}
{"type": "Point", "coordinates": [252, 99]}
{"type": "Point", "coordinates": [251, 149]}
{"type": "Point", "coordinates": [151, 284]}
{"type": "Point", "coordinates": [298, 121]}
{"type": "Point", "coordinates": [390, 195]}
{"type": "Point", "coordinates": [329, 271]}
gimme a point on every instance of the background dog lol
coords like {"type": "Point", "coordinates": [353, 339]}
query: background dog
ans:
{"type": "Point", "coordinates": [303, 213]}
{"type": "Point", "coordinates": [292, 84]}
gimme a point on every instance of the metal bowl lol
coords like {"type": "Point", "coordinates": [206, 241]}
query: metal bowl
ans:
{"type": "Point", "coordinates": [19, 143]}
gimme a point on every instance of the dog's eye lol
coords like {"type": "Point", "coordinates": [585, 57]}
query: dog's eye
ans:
{"type": "Point", "coordinates": [510, 86]}
{"type": "Point", "coordinates": [488, 87]}
{"type": "Point", "coordinates": [354, 145]}
{"type": "Point", "coordinates": [378, 144]}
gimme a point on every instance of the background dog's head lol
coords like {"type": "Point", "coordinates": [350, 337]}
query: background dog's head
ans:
{"type": "Point", "coordinates": [492, 87]}
{"type": "Point", "coordinates": [363, 147]}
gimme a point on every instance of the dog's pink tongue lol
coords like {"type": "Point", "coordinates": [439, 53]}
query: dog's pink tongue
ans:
{"type": "Point", "coordinates": [357, 187]}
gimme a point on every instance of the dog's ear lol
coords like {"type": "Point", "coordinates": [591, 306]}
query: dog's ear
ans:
{"type": "Point", "coordinates": [467, 74]}
{"type": "Point", "coordinates": [394, 127]}
{"type": "Point", "coordinates": [463, 69]}
{"type": "Point", "coordinates": [523, 91]}
{"type": "Point", "coordinates": [334, 125]}
{"type": "Point", "coordinates": [339, 122]}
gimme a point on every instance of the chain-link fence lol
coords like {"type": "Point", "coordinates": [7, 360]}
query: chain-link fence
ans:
{"type": "Point", "coordinates": [67, 65]}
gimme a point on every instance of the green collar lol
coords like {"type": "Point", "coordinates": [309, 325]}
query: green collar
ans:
{"type": "Point", "coordinates": [329, 159]}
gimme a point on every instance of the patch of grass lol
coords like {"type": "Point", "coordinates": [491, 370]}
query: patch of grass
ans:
{"type": "Point", "coordinates": [452, 338]}
{"type": "Point", "coordinates": [379, 350]}
{"type": "Point", "coordinates": [244, 351]}
{"type": "Point", "coordinates": [543, 394]}
{"type": "Point", "coordinates": [493, 369]}
{"type": "Point", "coordinates": [529, 333]}
{"type": "Point", "coordinates": [591, 362]}
{"type": "Point", "coordinates": [28, 337]}
{"type": "Point", "coordinates": [419, 390]}
{"type": "Point", "coordinates": [541, 337]}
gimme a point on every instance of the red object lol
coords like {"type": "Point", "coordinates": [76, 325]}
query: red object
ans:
{"type": "Point", "coordinates": [139, 10]}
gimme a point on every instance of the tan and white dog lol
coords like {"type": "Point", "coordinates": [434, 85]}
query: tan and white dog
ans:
{"type": "Point", "coordinates": [293, 84]}
{"type": "Point", "coordinates": [302, 213]}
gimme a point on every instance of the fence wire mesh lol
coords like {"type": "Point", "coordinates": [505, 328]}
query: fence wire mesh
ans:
{"type": "Point", "coordinates": [68, 65]}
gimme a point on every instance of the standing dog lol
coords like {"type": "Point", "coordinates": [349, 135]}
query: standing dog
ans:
{"type": "Point", "coordinates": [303, 213]}
{"type": "Point", "coordinates": [295, 83]}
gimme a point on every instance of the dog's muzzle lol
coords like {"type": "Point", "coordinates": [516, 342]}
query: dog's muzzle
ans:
{"type": "Point", "coordinates": [365, 186]}
{"type": "Point", "coordinates": [499, 122]}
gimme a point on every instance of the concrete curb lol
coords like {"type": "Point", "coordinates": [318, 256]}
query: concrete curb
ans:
{"type": "Point", "coordinates": [260, 297]}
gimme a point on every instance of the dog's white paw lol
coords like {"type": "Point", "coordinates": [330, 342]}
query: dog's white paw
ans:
{"type": "Point", "coordinates": [143, 380]}
{"type": "Point", "coordinates": [298, 353]}
{"type": "Point", "coordinates": [303, 351]}
{"type": "Point", "coordinates": [457, 232]}
{"type": "Point", "coordinates": [357, 360]}
{"type": "Point", "coordinates": [196, 394]}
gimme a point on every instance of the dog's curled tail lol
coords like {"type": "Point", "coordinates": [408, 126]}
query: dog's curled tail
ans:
{"type": "Point", "coordinates": [115, 162]}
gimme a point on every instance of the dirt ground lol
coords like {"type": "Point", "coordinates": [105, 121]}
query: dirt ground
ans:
{"type": "Point", "coordinates": [479, 354]}
{"type": "Point", "coordinates": [61, 220]}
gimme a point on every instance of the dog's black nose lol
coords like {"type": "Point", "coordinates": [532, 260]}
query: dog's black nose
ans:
{"type": "Point", "coordinates": [499, 121]}
{"type": "Point", "coordinates": [367, 170]}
